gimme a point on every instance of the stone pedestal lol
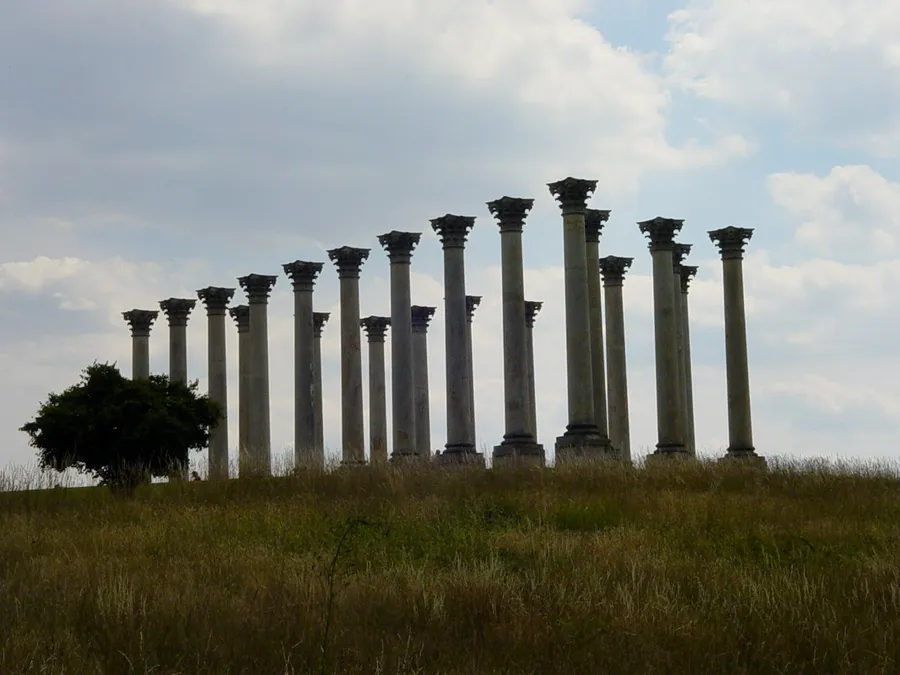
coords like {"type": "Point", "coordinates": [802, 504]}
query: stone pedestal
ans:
{"type": "Point", "coordinates": [518, 443]}
{"type": "Point", "coordinates": [679, 253]}
{"type": "Point", "coordinates": [613, 269]}
{"type": "Point", "coordinates": [349, 261]}
{"type": "Point", "coordinates": [177, 311]}
{"type": "Point", "coordinates": [303, 276]}
{"type": "Point", "coordinates": [421, 316]}
{"type": "Point", "coordinates": [140, 321]}
{"type": "Point", "coordinates": [668, 410]}
{"type": "Point", "coordinates": [241, 316]}
{"type": "Point", "coordinates": [472, 303]}
{"type": "Point", "coordinates": [731, 242]}
{"type": "Point", "coordinates": [376, 327]}
{"type": "Point", "coordinates": [258, 287]}
{"type": "Point", "coordinates": [319, 321]}
{"type": "Point", "coordinates": [594, 220]}
{"type": "Point", "coordinates": [531, 311]}
{"type": "Point", "coordinates": [400, 246]}
{"type": "Point", "coordinates": [686, 273]}
{"type": "Point", "coordinates": [216, 300]}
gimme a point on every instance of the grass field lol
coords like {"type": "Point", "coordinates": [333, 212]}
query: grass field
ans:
{"type": "Point", "coordinates": [683, 569]}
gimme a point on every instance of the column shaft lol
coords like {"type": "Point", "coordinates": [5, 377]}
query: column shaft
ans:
{"type": "Point", "coordinates": [378, 453]}
{"type": "Point", "coordinates": [178, 353]}
{"type": "Point", "coordinates": [402, 386]}
{"type": "Point", "coordinates": [260, 420]}
{"type": "Point", "coordinates": [678, 318]}
{"type": "Point", "coordinates": [613, 269]}
{"type": "Point", "coordinates": [140, 357]}
{"type": "Point", "coordinates": [578, 332]}
{"type": "Point", "coordinates": [245, 370]}
{"type": "Point", "coordinates": [319, 319]}
{"type": "Point", "coordinates": [352, 423]}
{"type": "Point", "coordinates": [459, 387]}
{"type": "Point", "coordinates": [420, 384]}
{"type": "Point", "coordinates": [594, 221]}
{"type": "Point", "coordinates": [737, 371]}
{"type": "Point", "coordinates": [668, 413]}
{"type": "Point", "coordinates": [304, 380]}
{"type": "Point", "coordinates": [690, 441]}
{"type": "Point", "coordinates": [177, 311]}
{"type": "Point", "coordinates": [218, 392]}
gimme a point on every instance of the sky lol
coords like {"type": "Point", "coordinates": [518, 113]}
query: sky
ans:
{"type": "Point", "coordinates": [151, 148]}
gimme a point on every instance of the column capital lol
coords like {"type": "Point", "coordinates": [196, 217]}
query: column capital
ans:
{"type": "Point", "coordinates": [572, 193]}
{"type": "Point", "coordinates": [421, 316]}
{"type": "Point", "coordinates": [687, 272]}
{"type": "Point", "coordinates": [731, 241]}
{"type": "Point", "coordinates": [140, 321]}
{"type": "Point", "coordinates": [177, 310]}
{"type": "Point", "coordinates": [661, 231]}
{"type": "Point", "coordinates": [376, 327]}
{"type": "Point", "coordinates": [452, 229]}
{"type": "Point", "coordinates": [510, 212]}
{"type": "Point", "coordinates": [531, 311]}
{"type": "Point", "coordinates": [472, 302]}
{"type": "Point", "coordinates": [257, 287]}
{"type": "Point", "coordinates": [348, 260]}
{"type": "Point", "coordinates": [594, 220]}
{"type": "Point", "coordinates": [241, 316]}
{"type": "Point", "coordinates": [679, 253]}
{"type": "Point", "coordinates": [215, 298]}
{"type": "Point", "coordinates": [319, 321]}
{"type": "Point", "coordinates": [302, 274]}
{"type": "Point", "coordinates": [613, 269]}
{"type": "Point", "coordinates": [399, 245]}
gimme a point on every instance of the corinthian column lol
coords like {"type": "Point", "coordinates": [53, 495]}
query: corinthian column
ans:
{"type": "Point", "coordinates": [531, 312]}
{"type": "Point", "coordinates": [177, 311]}
{"type": "Point", "coordinates": [421, 316]}
{"type": "Point", "coordinates": [241, 316]}
{"type": "Point", "coordinates": [686, 273]}
{"type": "Point", "coordinates": [140, 321]}
{"type": "Point", "coordinates": [319, 320]}
{"type": "Point", "coordinates": [376, 327]}
{"type": "Point", "coordinates": [216, 300]}
{"type": "Point", "coordinates": [348, 261]}
{"type": "Point", "coordinates": [613, 269]}
{"type": "Point", "coordinates": [594, 220]}
{"type": "Point", "coordinates": [679, 253]}
{"type": "Point", "coordinates": [472, 302]}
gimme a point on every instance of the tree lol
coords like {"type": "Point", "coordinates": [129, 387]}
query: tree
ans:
{"type": "Point", "coordinates": [120, 430]}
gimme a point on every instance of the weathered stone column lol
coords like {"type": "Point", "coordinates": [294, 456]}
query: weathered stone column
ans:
{"type": "Point", "coordinates": [177, 311]}
{"type": "Point", "coordinates": [216, 300]}
{"type": "Point", "coordinates": [731, 241]}
{"type": "Point", "coordinates": [668, 411]}
{"type": "Point", "coordinates": [594, 220]}
{"type": "Point", "coordinates": [399, 246]}
{"type": "Point", "coordinates": [518, 442]}
{"type": "Point", "coordinates": [531, 312]}
{"type": "Point", "coordinates": [686, 273]}
{"type": "Point", "coordinates": [348, 261]}
{"type": "Point", "coordinates": [303, 277]}
{"type": "Point", "coordinates": [258, 287]}
{"type": "Point", "coordinates": [421, 316]}
{"type": "Point", "coordinates": [140, 321]}
{"type": "Point", "coordinates": [613, 269]}
{"type": "Point", "coordinates": [241, 316]}
{"type": "Point", "coordinates": [472, 303]}
{"type": "Point", "coordinates": [376, 327]}
{"type": "Point", "coordinates": [460, 447]}
{"type": "Point", "coordinates": [679, 253]}
{"type": "Point", "coordinates": [319, 320]}
{"type": "Point", "coordinates": [582, 438]}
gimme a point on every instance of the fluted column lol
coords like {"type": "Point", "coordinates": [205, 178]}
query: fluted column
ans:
{"type": "Point", "coordinates": [518, 442]}
{"type": "Point", "coordinates": [731, 241]}
{"type": "Point", "coordinates": [679, 253]}
{"type": "Point", "coordinates": [376, 327]}
{"type": "Point", "coordinates": [472, 303]}
{"type": "Point", "coordinates": [399, 247]}
{"type": "Point", "coordinates": [241, 316]}
{"type": "Point", "coordinates": [258, 287]}
{"type": "Point", "coordinates": [140, 321]}
{"type": "Point", "coordinates": [594, 220]}
{"type": "Point", "coordinates": [661, 232]}
{"type": "Point", "coordinates": [460, 447]}
{"type": "Point", "coordinates": [348, 261]}
{"type": "Point", "coordinates": [177, 311]}
{"type": "Point", "coordinates": [303, 279]}
{"type": "Point", "coordinates": [531, 311]}
{"type": "Point", "coordinates": [582, 438]}
{"type": "Point", "coordinates": [216, 300]}
{"type": "Point", "coordinates": [421, 316]}
{"type": "Point", "coordinates": [613, 269]}
{"type": "Point", "coordinates": [319, 321]}
{"type": "Point", "coordinates": [685, 274]}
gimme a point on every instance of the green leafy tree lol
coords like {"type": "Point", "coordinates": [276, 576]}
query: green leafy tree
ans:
{"type": "Point", "coordinates": [122, 431]}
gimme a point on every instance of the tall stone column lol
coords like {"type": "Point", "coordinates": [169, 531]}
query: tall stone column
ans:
{"type": "Point", "coordinates": [399, 246]}
{"type": "Point", "coordinates": [241, 316]}
{"type": "Point", "coordinates": [668, 398]}
{"type": "Point", "coordinates": [376, 327]}
{"type": "Point", "coordinates": [319, 320]}
{"type": "Point", "coordinates": [177, 311]}
{"type": "Point", "coordinates": [594, 220]}
{"type": "Point", "coordinates": [582, 438]}
{"type": "Point", "coordinates": [472, 303]}
{"type": "Point", "coordinates": [613, 269]}
{"type": "Point", "coordinates": [679, 253]}
{"type": "Point", "coordinates": [460, 447]}
{"type": "Point", "coordinates": [518, 442]}
{"type": "Point", "coordinates": [140, 321]}
{"type": "Point", "coordinates": [258, 287]}
{"type": "Point", "coordinates": [685, 274]}
{"type": "Point", "coordinates": [353, 444]}
{"type": "Point", "coordinates": [303, 279]}
{"type": "Point", "coordinates": [731, 241]}
{"type": "Point", "coordinates": [531, 312]}
{"type": "Point", "coordinates": [421, 316]}
{"type": "Point", "coordinates": [216, 300]}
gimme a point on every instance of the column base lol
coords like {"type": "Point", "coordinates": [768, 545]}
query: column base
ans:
{"type": "Point", "coordinates": [464, 455]}
{"type": "Point", "coordinates": [406, 459]}
{"type": "Point", "coordinates": [353, 463]}
{"type": "Point", "coordinates": [583, 443]}
{"type": "Point", "coordinates": [519, 453]}
{"type": "Point", "coordinates": [746, 456]}
{"type": "Point", "coordinates": [671, 451]}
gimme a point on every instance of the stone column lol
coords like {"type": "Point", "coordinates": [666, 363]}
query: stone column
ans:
{"type": "Point", "coordinates": [177, 311]}
{"type": "Point", "coordinates": [582, 438]}
{"type": "Point", "coordinates": [258, 287]}
{"type": "Point", "coordinates": [613, 270]}
{"type": "Point", "coordinates": [399, 246]}
{"type": "Point", "coordinates": [594, 220]}
{"type": "Point", "coordinates": [421, 316]}
{"type": "Point", "coordinates": [303, 278]}
{"type": "Point", "coordinates": [216, 300]}
{"type": "Point", "coordinates": [353, 444]}
{"type": "Point", "coordinates": [319, 320]}
{"type": "Point", "coordinates": [731, 242]}
{"type": "Point", "coordinates": [679, 253]}
{"type": "Point", "coordinates": [685, 274]}
{"type": "Point", "coordinates": [668, 411]}
{"type": "Point", "coordinates": [241, 316]}
{"type": "Point", "coordinates": [140, 321]}
{"type": "Point", "coordinates": [460, 447]}
{"type": "Point", "coordinates": [518, 442]}
{"type": "Point", "coordinates": [472, 303]}
{"type": "Point", "coordinates": [531, 312]}
{"type": "Point", "coordinates": [376, 327]}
